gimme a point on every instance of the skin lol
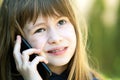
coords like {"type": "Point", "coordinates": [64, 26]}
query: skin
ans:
{"type": "Point", "coordinates": [53, 38]}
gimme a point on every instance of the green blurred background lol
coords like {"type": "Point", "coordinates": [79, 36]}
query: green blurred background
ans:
{"type": "Point", "coordinates": [103, 18]}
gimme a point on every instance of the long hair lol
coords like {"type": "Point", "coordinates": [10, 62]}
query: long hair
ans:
{"type": "Point", "coordinates": [15, 14]}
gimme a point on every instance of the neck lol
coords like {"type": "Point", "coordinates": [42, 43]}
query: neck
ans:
{"type": "Point", "coordinates": [57, 69]}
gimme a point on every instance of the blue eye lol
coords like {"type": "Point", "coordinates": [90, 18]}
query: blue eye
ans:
{"type": "Point", "coordinates": [61, 22]}
{"type": "Point", "coordinates": [40, 30]}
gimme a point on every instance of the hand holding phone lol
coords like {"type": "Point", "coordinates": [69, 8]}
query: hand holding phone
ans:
{"type": "Point", "coordinates": [42, 68]}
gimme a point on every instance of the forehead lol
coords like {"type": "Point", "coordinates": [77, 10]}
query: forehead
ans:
{"type": "Point", "coordinates": [45, 20]}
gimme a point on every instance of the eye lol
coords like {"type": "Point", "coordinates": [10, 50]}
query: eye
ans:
{"type": "Point", "coordinates": [61, 22]}
{"type": "Point", "coordinates": [40, 30]}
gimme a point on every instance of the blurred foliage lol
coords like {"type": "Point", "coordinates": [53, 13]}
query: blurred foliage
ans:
{"type": "Point", "coordinates": [1, 1]}
{"type": "Point", "coordinates": [104, 40]}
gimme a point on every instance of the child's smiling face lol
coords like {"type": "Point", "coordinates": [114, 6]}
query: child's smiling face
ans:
{"type": "Point", "coordinates": [55, 36]}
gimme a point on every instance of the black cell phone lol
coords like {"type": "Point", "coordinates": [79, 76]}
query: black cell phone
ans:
{"type": "Point", "coordinates": [42, 68]}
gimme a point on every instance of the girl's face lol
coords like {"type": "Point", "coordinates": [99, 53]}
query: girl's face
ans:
{"type": "Point", "coordinates": [54, 36]}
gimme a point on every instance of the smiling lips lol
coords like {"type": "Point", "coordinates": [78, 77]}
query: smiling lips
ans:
{"type": "Point", "coordinates": [57, 51]}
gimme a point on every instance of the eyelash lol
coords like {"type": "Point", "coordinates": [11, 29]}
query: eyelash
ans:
{"type": "Point", "coordinates": [61, 22]}
{"type": "Point", "coordinates": [40, 30]}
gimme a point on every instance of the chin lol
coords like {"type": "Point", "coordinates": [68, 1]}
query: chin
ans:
{"type": "Point", "coordinates": [59, 63]}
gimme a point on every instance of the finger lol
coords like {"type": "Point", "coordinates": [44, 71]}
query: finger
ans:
{"type": "Point", "coordinates": [38, 59]}
{"type": "Point", "coordinates": [26, 54]}
{"type": "Point", "coordinates": [16, 51]}
{"type": "Point", "coordinates": [42, 54]}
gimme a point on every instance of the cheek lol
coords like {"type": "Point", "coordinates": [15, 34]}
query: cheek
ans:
{"type": "Point", "coordinates": [69, 33]}
{"type": "Point", "coordinates": [38, 42]}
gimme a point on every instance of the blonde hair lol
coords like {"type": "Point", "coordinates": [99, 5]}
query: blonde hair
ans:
{"type": "Point", "coordinates": [80, 67]}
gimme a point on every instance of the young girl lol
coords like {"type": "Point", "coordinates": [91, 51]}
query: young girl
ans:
{"type": "Point", "coordinates": [57, 33]}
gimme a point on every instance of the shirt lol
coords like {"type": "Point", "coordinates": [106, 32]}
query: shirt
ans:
{"type": "Point", "coordinates": [62, 76]}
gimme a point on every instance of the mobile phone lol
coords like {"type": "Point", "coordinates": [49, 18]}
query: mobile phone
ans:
{"type": "Point", "coordinates": [42, 68]}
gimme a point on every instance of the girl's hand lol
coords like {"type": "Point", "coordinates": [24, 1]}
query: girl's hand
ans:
{"type": "Point", "coordinates": [28, 69]}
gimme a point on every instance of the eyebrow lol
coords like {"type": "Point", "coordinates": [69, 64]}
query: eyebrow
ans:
{"type": "Point", "coordinates": [39, 23]}
{"type": "Point", "coordinates": [43, 23]}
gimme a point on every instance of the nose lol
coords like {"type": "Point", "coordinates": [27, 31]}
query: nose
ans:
{"type": "Point", "coordinates": [54, 37]}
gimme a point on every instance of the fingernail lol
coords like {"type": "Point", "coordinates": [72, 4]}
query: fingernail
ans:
{"type": "Point", "coordinates": [46, 61]}
{"type": "Point", "coordinates": [18, 36]}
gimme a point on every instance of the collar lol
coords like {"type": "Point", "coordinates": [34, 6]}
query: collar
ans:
{"type": "Point", "coordinates": [62, 76]}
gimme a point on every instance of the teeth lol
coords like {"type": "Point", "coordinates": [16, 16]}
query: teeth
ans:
{"type": "Point", "coordinates": [57, 50]}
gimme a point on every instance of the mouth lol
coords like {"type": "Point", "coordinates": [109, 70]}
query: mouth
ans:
{"type": "Point", "coordinates": [57, 51]}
